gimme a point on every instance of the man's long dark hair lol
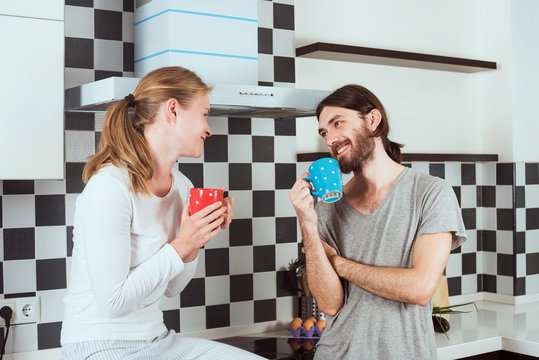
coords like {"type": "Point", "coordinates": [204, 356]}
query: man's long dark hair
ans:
{"type": "Point", "coordinates": [360, 99]}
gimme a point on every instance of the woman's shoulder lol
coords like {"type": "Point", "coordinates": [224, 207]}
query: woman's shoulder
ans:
{"type": "Point", "coordinates": [110, 175]}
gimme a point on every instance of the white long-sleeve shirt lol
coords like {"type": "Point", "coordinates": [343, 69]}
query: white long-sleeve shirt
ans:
{"type": "Point", "coordinates": [122, 263]}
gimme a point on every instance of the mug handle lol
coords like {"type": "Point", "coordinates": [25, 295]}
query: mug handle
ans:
{"type": "Point", "coordinates": [309, 179]}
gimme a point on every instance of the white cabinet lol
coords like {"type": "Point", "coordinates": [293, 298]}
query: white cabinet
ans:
{"type": "Point", "coordinates": [31, 93]}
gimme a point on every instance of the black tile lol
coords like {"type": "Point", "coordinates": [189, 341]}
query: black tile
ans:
{"type": "Point", "coordinates": [69, 239]}
{"type": "Point", "coordinates": [408, 165]}
{"type": "Point", "coordinates": [520, 242]}
{"type": "Point", "coordinates": [286, 230]}
{"type": "Point", "coordinates": [454, 285]}
{"type": "Point", "coordinates": [79, 53]}
{"type": "Point", "coordinates": [85, 3]}
{"type": "Point", "coordinates": [241, 232]}
{"type": "Point", "coordinates": [18, 187]}
{"type": "Point", "coordinates": [48, 335]}
{"type": "Point", "coordinates": [264, 258]}
{"type": "Point", "coordinates": [286, 283]}
{"type": "Point", "coordinates": [194, 293]}
{"type": "Point", "coordinates": [171, 318]}
{"type": "Point", "coordinates": [51, 274]}
{"type": "Point", "coordinates": [265, 41]}
{"type": "Point", "coordinates": [241, 126]}
{"type": "Point", "coordinates": [107, 24]}
{"type": "Point", "coordinates": [486, 196]}
{"type": "Point", "coordinates": [468, 215]}
{"type": "Point", "coordinates": [129, 56]}
{"type": "Point", "coordinates": [129, 6]}
{"type": "Point", "coordinates": [263, 203]}
{"type": "Point", "coordinates": [1, 216]}
{"type": "Point", "coordinates": [519, 286]}
{"type": "Point", "coordinates": [240, 176]}
{"type": "Point", "coordinates": [505, 264]}
{"type": "Point", "coordinates": [19, 243]}
{"type": "Point", "coordinates": [284, 69]}
{"type": "Point", "coordinates": [532, 174]}
{"type": "Point", "coordinates": [469, 264]}
{"type": "Point", "coordinates": [520, 196]}
{"type": "Point", "coordinates": [487, 239]}
{"type": "Point", "coordinates": [489, 283]}
{"type": "Point", "coordinates": [467, 174]}
{"type": "Point", "coordinates": [285, 126]}
{"type": "Point", "coordinates": [79, 121]}
{"type": "Point", "coordinates": [50, 210]}
{"type": "Point", "coordinates": [217, 261]}
{"type": "Point", "coordinates": [479, 282]}
{"type": "Point", "coordinates": [241, 287]}
{"type": "Point", "coordinates": [437, 170]}
{"type": "Point", "coordinates": [283, 16]}
{"type": "Point", "coordinates": [194, 172]}
{"type": "Point", "coordinates": [285, 176]}
{"type": "Point", "coordinates": [265, 83]}
{"type": "Point", "coordinates": [263, 149]}
{"type": "Point", "coordinates": [19, 295]}
{"type": "Point", "coordinates": [265, 310]}
{"type": "Point", "coordinates": [505, 219]}
{"type": "Point", "coordinates": [217, 316]}
{"type": "Point", "coordinates": [74, 183]}
{"type": "Point", "coordinates": [102, 74]}
{"type": "Point", "coordinates": [532, 219]}
{"type": "Point", "coordinates": [216, 149]}
{"type": "Point", "coordinates": [532, 264]}
{"type": "Point", "coordinates": [1, 277]}
{"type": "Point", "coordinates": [457, 191]}
{"type": "Point", "coordinates": [504, 174]}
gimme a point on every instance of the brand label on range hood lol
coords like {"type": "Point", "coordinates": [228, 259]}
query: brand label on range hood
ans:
{"type": "Point", "coordinates": [255, 93]}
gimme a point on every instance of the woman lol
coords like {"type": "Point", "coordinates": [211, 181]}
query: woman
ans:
{"type": "Point", "coordinates": [133, 237]}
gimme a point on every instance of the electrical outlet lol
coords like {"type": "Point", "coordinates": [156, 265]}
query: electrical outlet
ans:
{"type": "Point", "coordinates": [25, 310]}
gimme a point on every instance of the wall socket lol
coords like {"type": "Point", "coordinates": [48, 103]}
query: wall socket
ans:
{"type": "Point", "coordinates": [25, 310]}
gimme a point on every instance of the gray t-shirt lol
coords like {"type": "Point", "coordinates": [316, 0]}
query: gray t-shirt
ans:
{"type": "Point", "coordinates": [369, 326]}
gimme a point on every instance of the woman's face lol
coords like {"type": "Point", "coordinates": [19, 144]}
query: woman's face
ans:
{"type": "Point", "coordinates": [192, 125]}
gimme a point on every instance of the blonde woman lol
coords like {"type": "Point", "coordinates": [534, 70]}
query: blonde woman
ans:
{"type": "Point", "coordinates": [133, 237]}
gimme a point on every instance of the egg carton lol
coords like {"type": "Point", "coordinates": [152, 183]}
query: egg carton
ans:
{"type": "Point", "coordinates": [314, 331]}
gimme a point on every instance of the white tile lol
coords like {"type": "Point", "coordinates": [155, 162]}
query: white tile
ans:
{"type": "Point", "coordinates": [288, 2]}
{"type": "Point", "coordinates": [193, 318]}
{"type": "Point", "coordinates": [504, 242]}
{"type": "Point", "coordinates": [192, 160]}
{"type": "Point", "coordinates": [302, 167]}
{"type": "Point", "coordinates": [469, 284]}
{"type": "Point", "coordinates": [167, 303]}
{"type": "Point", "coordinates": [263, 176]}
{"type": "Point", "coordinates": [265, 68]}
{"type": "Point", "coordinates": [285, 149]}
{"type": "Point", "coordinates": [18, 211]}
{"type": "Point", "coordinates": [19, 276]}
{"type": "Point", "coordinates": [240, 148]}
{"type": "Point", "coordinates": [532, 284]}
{"type": "Point", "coordinates": [241, 313]}
{"type": "Point", "coordinates": [532, 196]}
{"type": "Point", "coordinates": [532, 241]}
{"type": "Point", "coordinates": [201, 265]}
{"type": "Point", "coordinates": [127, 26]}
{"type": "Point", "coordinates": [520, 219]}
{"type": "Point", "coordinates": [283, 43]}
{"type": "Point", "coordinates": [283, 205]}
{"type": "Point", "coordinates": [108, 5]}
{"type": "Point", "coordinates": [504, 197]}
{"type": "Point", "coordinates": [420, 166]}
{"type": "Point", "coordinates": [217, 290]}
{"type": "Point", "coordinates": [520, 174]}
{"type": "Point", "coordinates": [263, 126]}
{"type": "Point", "coordinates": [486, 218]}
{"type": "Point", "coordinates": [479, 262]}
{"type": "Point", "coordinates": [490, 263]}
{"type": "Point", "coordinates": [284, 84]}
{"type": "Point", "coordinates": [264, 231]}
{"type": "Point", "coordinates": [79, 146]}
{"type": "Point", "coordinates": [52, 304]}
{"type": "Point", "coordinates": [264, 285]}
{"type": "Point", "coordinates": [99, 120]}
{"type": "Point", "coordinates": [216, 175]}
{"type": "Point", "coordinates": [504, 285]}
{"type": "Point", "coordinates": [453, 173]}
{"type": "Point", "coordinates": [241, 260]}
{"type": "Point", "coordinates": [286, 307]}
{"type": "Point", "coordinates": [265, 14]}
{"type": "Point", "coordinates": [68, 268]}
{"type": "Point", "coordinates": [221, 240]}
{"type": "Point", "coordinates": [50, 242]}
{"type": "Point", "coordinates": [521, 265]}
{"type": "Point", "coordinates": [71, 200]}
{"type": "Point", "coordinates": [22, 338]}
{"type": "Point", "coordinates": [218, 125]}
{"type": "Point", "coordinates": [347, 177]}
{"type": "Point", "coordinates": [79, 22]}
{"type": "Point", "coordinates": [243, 203]}
{"type": "Point", "coordinates": [108, 55]}
{"type": "Point", "coordinates": [47, 187]}
{"type": "Point", "coordinates": [285, 254]}
{"type": "Point", "coordinates": [75, 77]}
{"type": "Point", "coordinates": [470, 245]}
{"type": "Point", "coordinates": [468, 196]}
{"type": "Point", "coordinates": [453, 267]}
{"type": "Point", "coordinates": [486, 174]}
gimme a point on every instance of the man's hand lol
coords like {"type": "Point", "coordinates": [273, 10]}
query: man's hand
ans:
{"type": "Point", "coordinates": [303, 202]}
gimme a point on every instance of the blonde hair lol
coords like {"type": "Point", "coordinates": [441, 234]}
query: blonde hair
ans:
{"type": "Point", "coordinates": [122, 139]}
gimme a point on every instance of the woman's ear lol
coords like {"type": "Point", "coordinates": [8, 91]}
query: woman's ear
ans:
{"type": "Point", "coordinates": [172, 110]}
{"type": "Point", "coordinates": [374, 119]}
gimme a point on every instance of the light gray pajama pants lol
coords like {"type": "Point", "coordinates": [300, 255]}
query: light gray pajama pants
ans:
{"type": "Point", "coordinates": [167, 346]}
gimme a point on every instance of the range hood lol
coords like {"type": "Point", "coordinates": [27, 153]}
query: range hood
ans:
{"type": "Point", "coordinates": [225, 100]}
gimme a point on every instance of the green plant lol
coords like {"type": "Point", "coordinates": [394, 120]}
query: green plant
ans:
{"type": "Point", "coordinates": [438, 311]}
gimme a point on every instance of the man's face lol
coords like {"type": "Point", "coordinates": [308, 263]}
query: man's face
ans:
{"type": "Point", "coordinates": [347, 137]}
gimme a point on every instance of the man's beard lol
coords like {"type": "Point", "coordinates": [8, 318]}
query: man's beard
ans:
{"type": "Point", "coordinates": [361, 152]}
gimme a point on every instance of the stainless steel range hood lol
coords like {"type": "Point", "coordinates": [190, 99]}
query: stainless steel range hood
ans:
{"type": "Point", "coordinates": [225, 100]}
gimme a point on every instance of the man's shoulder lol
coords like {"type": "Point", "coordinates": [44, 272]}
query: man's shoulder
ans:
{"type": "Point", "coordinates": [424, 181]}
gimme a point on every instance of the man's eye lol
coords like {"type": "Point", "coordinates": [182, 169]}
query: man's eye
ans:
{"type": "Point", "coordinates": [323, 134]}
{"type": "Point", "coordinates": [337, 123]}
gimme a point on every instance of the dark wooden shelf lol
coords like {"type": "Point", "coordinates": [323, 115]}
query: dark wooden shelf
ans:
{"type": "Point", "coordinates": [408, 157]}
{"type": "Point", "coordinates": [339, 52]}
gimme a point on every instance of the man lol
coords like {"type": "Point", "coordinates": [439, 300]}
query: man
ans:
{"type": "Point", "coordinates": [374, 258]}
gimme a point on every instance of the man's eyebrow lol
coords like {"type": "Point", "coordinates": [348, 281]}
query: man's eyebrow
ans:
{"type": "Point", "coordinates": [330, 122]}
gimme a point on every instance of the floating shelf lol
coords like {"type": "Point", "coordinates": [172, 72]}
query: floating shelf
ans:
{"type": "Point", "coordinates": [407, 157]}
{"type": "Point", "coordinates": [327, 51]}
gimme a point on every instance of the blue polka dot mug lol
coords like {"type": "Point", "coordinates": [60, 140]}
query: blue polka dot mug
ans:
{"type": "Point", "coordinates": [325, 176]}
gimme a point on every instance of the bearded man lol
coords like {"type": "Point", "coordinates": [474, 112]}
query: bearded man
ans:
{"type": "Point", "coordinates": [375, 257]}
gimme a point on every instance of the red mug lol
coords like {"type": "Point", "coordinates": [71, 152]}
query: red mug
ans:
{"type": "Point", "coordinates": [202, 197]}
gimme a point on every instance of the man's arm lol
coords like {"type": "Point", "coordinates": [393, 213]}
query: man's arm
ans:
{"type": "Point", "coordinates": [412, 285]}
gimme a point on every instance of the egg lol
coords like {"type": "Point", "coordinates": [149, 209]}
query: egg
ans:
{"type": "Point", "coordinates": [308, 324]}
{"type": "Point", "coordinates": [312, 318]}
{"type": "Point", "coordinates": [295, 323]}
{"type": "Point", "coordinates": [321, 324]}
